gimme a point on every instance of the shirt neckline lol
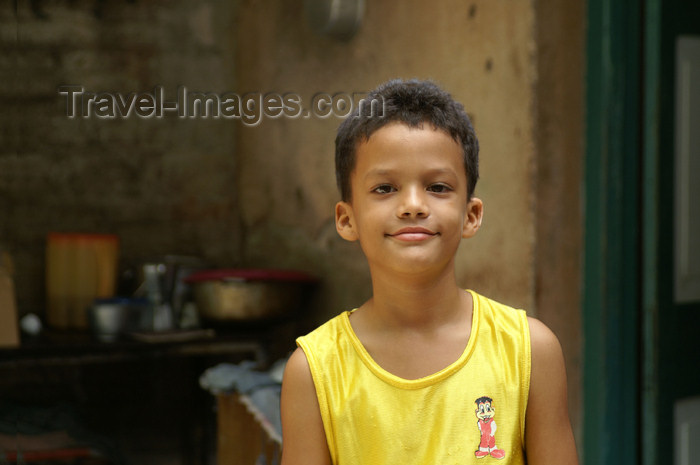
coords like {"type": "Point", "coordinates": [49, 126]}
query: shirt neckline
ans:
{"type": "Point", "coordinates": [425, 381]}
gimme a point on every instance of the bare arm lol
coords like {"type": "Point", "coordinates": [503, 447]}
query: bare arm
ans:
{"type": "Point", "coordinates": [302, 427]}
{"type": "Point", "coordinates": [549, 439]}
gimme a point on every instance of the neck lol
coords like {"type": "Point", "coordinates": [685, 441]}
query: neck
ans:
{"type": "Point", "coordinates": [418, 302]}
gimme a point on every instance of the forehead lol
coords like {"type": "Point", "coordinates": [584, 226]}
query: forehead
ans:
{"type": "Point", "coordinates": [396, 144]}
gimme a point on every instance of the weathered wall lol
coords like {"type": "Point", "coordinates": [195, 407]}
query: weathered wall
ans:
{"type": "Point", "coordinates": [560, 32]}
{"type": "Point", "coordinates": [560, 35]}
{"type": "Point", "coordinates": [481, 51]}
{"type": "Point", "coordinates": [164, 185]}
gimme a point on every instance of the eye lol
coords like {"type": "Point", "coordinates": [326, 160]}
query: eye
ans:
{"type": "Point", "coordinates": [384, 189]}
{"type": "Point", "coordinates": [439, 188]}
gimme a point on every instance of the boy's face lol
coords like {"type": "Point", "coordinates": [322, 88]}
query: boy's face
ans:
{"type": "Point", "coordinates": [409, 207]}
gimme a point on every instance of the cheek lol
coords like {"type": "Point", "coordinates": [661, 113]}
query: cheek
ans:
{"type": "Point", "coordinates": [455, 219]}
{"type": "Point", "coordinates": [369, 218]}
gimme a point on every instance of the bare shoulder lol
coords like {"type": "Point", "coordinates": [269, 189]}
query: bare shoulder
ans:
{"type": "Point", "coordinates": [302, 425]}
{"type": "Point", "coordinates": [548, 373]}
{"type": "Point", "coordinates": [544, 343]}
{"type": "Point", "coordinates": [297, 368]}
{"type": "Point", "coordinates": [548, 434]}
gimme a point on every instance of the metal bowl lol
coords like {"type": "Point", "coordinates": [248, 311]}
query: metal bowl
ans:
{"type": "Point", "coordinates": [111, 318]}
{"type": "Point", "coordinates": [247, 294]}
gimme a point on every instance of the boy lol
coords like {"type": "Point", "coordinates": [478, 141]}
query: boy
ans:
{"type": "Point", "coordinates": [424, 372]}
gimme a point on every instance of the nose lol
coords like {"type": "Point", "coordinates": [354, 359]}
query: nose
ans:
{"type": "Point", "coordinates": [413, 203]}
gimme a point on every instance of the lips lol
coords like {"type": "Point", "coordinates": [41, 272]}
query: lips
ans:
{"type": "Point", "coordinates": [413, 234]}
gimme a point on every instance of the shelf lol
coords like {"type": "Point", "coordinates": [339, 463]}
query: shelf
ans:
{"type": "Point", "coordinates": [79, 348]}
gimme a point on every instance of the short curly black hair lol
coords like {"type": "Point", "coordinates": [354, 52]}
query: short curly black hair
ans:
{"type": "Point", "coordinates": [412, 102]}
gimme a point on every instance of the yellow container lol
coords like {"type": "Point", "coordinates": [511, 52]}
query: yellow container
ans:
{"type": "Point", "coordinates": [79, 269]}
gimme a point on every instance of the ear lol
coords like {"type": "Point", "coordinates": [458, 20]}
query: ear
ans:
{"type": "Point", "coordinates": [345, 221]}
{"type": "Point", "coordinates": [472, 220]}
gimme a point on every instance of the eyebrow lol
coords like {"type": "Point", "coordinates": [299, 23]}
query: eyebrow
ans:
{"type": "Point", "coordinates": [379, 172]}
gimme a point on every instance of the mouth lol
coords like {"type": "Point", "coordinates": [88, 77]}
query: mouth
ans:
{"type": "Point", "coordinates": [412, 234]}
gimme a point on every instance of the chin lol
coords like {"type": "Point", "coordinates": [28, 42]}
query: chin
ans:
{"type": "Point", "coordinates": [423, 267]}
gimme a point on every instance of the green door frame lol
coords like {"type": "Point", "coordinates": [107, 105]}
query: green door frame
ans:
{"type": "Point", "coordinates": [651, 198]}
{"type": "Point", "coordinates": [628, 248]}
{"type": "Point", "coordinates": [611, 287]}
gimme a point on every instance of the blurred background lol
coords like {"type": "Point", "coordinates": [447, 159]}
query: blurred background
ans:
{"type": "Point", "coordinates": [584, 122]}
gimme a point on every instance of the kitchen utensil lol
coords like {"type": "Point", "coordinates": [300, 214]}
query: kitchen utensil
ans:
{"type": "Point", "coordinates": [154, 274]}
{"type": "Point", "coordinates": [162, 282]}
{"type": "Point", "coordinates": [79, 268]}
{"type": "Point", "coordinates": [111, 318]}
{"type": "Point", "coordinates": [9, 334]}
{"type": "Point", "coordinates": [247, 294]}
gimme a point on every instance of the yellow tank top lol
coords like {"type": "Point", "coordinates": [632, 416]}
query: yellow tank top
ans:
{"type": "Point", "coordinates": [473, 411]}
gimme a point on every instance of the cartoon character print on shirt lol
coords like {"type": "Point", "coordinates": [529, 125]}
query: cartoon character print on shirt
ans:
{"type": "Point", "coordinates": [487, 427]}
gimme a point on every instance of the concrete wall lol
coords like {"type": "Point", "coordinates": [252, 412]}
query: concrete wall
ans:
{"type": "Point", "coordinates": [165, 185]}
{"type": "Point", "coordinates": [559, 115]}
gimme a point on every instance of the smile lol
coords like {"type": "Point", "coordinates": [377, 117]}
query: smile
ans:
{"type": "Point", "coordinates": [413, 234]}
